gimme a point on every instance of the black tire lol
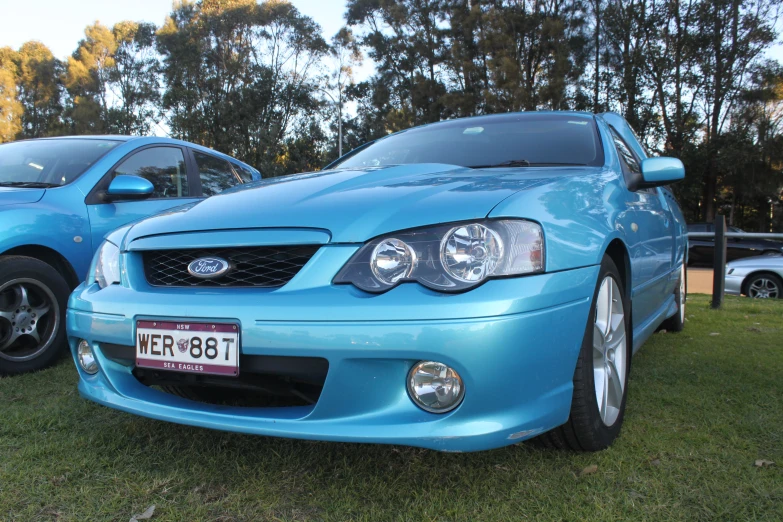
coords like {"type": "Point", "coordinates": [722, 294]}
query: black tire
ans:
{"type": "Point", "coordinates": [773, 280]}
{"type": "Point", "coordinates": [46, 284]}
{"type": "Point", "coordinates": [585, 430]}
{"type": "Point", "coordinates": [676, 323]}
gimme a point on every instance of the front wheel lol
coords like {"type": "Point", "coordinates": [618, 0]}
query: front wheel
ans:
{"type": "Point", "coordinates": [764, 286]}
{"type": "Point", "coordinates": [33, 297]}
{"type": "Point", "coordinates": [601, 375]}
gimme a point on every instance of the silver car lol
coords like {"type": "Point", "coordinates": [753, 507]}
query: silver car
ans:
{"type": "Point", "coordinates": [757, 277]}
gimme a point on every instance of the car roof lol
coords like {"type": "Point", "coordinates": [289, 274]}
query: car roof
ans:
{"type": "Point", "coordinates": [112, 137]}
{"type": "Point", "coordinates": [513, 116]}
{"type": "Point", "coordinates": [147, 139]}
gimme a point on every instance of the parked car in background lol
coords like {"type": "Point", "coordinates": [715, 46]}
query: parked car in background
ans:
{"type": "Point", "coordinates": [701, 249]}
{"type": "Point", "coordinates": [759, 277]}
{"type": "Point", "coordinates": [459, 286]}
{"type": "Point", "coordinates": [58, 198]}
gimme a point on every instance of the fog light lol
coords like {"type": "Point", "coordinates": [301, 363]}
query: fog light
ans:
{"type": "Point", "coordinates": [86, 357]}
{"type": "Point", "coordinates": [435, 387]}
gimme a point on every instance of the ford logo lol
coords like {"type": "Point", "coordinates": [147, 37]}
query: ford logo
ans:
{"type": "Point", "coordinates": [208, 267]}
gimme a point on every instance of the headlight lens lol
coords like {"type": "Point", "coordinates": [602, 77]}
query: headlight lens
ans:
{"type": "Point", "coordinates": [448, 258]}
{"type": "Point", "coordinates": [107, 265]}
{"type": "Point", "coordinates": [469, 253]}
{"type": "Point", "coordinates": [392, 261]}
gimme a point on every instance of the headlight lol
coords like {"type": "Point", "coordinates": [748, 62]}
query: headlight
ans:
{"type": "Point", "coordinates": [448, 258]}
{"type": "Point", "coordinates": [107, 265]}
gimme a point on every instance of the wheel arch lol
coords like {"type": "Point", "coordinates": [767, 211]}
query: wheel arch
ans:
{"type": "Point", "coordinates": [618, 252]}
{"type": "Point", "coordinates": [49, 256]}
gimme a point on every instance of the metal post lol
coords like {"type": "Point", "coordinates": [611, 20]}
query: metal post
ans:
{"type": "Point", "coordinates": [719, 260]}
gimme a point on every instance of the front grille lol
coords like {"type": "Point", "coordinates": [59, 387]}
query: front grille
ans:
{"type": "Point", "coordinates": [256, 267]}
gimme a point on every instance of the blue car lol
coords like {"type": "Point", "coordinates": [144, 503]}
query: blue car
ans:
{"type": "Point", "coordinates": [459, 286]}
{"type": "Point", "coordinates": [58, 198]}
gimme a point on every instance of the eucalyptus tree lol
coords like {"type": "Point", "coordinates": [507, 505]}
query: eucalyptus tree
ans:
{"type": "Point", "coordinates": [238, 75]}
{"type": "Point", "coordinates": [10, 108]}
{"type": "Point", "coordinates": [87, 77]}
{"type": "Point", "coordinates": [39, 90]}
{"type": "Point", "coordinates": [406, 39]}
{"type": "Point", "coordinates": [733, 35]}
{"type": "Point", "coordinates": [134, 80]}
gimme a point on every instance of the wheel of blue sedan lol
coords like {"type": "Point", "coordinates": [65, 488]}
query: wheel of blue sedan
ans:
{"type": "Point", "coordinates": [601, 375]}
{"type": "Point", "coordinates": [32, 308]}
{"type": "Point", "coordinates": [609, 351]}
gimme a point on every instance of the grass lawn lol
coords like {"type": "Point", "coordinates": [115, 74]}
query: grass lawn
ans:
{"type": "Point", "coordinates": [704, 405]}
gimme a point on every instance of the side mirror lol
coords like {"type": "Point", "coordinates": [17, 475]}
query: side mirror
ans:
{"type": "Point", "coordinates": [661, 171]}
{"type": "Point", "coordinates": [128, 188]}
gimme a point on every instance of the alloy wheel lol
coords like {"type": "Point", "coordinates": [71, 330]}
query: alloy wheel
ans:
{"type": "Point", "coordinates": [609, 351]}
{"type": "Point", "coordinates": [763, 288]}
{"type": "Point", "coordinates": [29, 319]}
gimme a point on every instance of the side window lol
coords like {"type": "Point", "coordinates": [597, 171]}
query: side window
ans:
{"type": "Point", "coordinates": [215, 173]}
{"type": "Point", "coordinates": [244, 173]}
{"type": "Point", "coordinates": [164, 167]}
{"type": "Point", "coordinates": [631, 166]}
{"type": "Point", "coordinates": [626, 156]}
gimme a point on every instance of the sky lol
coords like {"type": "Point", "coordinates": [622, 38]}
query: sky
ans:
{"type": "Point", "coordinates": [60, 24]}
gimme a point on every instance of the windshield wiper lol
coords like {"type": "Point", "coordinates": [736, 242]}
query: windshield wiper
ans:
{"type": "Point", "coordinates": [512, 163]}
{"type": "Point", "coordinates": [27, 184]}
{"type": "Point", "coordinates": [525, 163]}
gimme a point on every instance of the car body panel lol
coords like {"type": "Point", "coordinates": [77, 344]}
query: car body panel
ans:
{"type": "Point", "coordinates": [738, 271]}
{"type": "Point", "coordinates": [59, 218]}
{"type": "Point", "coordinates": [514, 340]}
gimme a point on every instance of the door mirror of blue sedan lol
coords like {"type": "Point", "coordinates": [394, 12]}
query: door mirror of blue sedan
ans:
{"type": "Point", "coordinates": [661, 171]}
{"type": "Point", "coordinates": [128, 187]}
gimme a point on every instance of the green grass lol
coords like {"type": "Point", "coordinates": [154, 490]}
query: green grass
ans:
{"type": "Point", "coordinates": [702, 408]}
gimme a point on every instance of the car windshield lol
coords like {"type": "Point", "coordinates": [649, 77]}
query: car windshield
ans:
{"type": "Point", "coordinates": [49, 163]}
{"type": "Point", "coordinates": [522, 140]}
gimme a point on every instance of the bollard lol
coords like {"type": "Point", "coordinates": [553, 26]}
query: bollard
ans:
{"type": "Point", "coordinates": [719, 262]}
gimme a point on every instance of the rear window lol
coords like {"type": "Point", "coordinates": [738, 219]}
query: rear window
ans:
{"type": "Point", "coordinates": [488, 141]}
{"type": "Point", "coordinates": [49, 162]}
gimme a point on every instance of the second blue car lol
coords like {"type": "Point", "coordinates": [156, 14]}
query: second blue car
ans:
{"type": "Point", "coordinates": [459, 286]}
{"type": "Point", "coordinates": [58, 198]}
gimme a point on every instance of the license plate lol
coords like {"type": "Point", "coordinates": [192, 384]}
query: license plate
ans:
{"type": "Point", "coordinates": [206, 348]}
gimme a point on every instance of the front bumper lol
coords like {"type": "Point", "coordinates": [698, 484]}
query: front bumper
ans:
{"type": "Point", "coordinates": [733, 284]}
{"type": "Point", "coordinates": [513, 341]}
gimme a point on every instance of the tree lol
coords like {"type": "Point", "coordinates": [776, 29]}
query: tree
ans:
{"type": "Point", "coordinates": [39, 91]}
{"type": "Point", "coordinates": [238, 75]}
{"type": "Point", "coordinates": [87, 80]}
{"type": "Point", "coordinates": [134, 80]}
{"type": "Point", "coordinates": [733, 36]}
{"type": "Point", "coordinates": [10, 108]}
{"type": "Point", "coordinates": [346, 55]}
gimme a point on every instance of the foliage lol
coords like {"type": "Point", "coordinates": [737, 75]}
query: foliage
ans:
{"type": "Point", "coordinates": [238, 75]}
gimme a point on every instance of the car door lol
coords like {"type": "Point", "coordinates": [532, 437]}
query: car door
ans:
{"type": "Point", "coordinates": [651, 240]}
{"type": "Point", "coordinates": [215, 174]}
{"type": "Point", "coordinates": [165, 166]}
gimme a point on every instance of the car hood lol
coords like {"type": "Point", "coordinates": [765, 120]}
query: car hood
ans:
{"type": "Point", "coordinates": [771, 261]}
{"type": "Point", "coordinates": [355, 205]}
{"type": "Point", "coordinates": [16, 196]}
